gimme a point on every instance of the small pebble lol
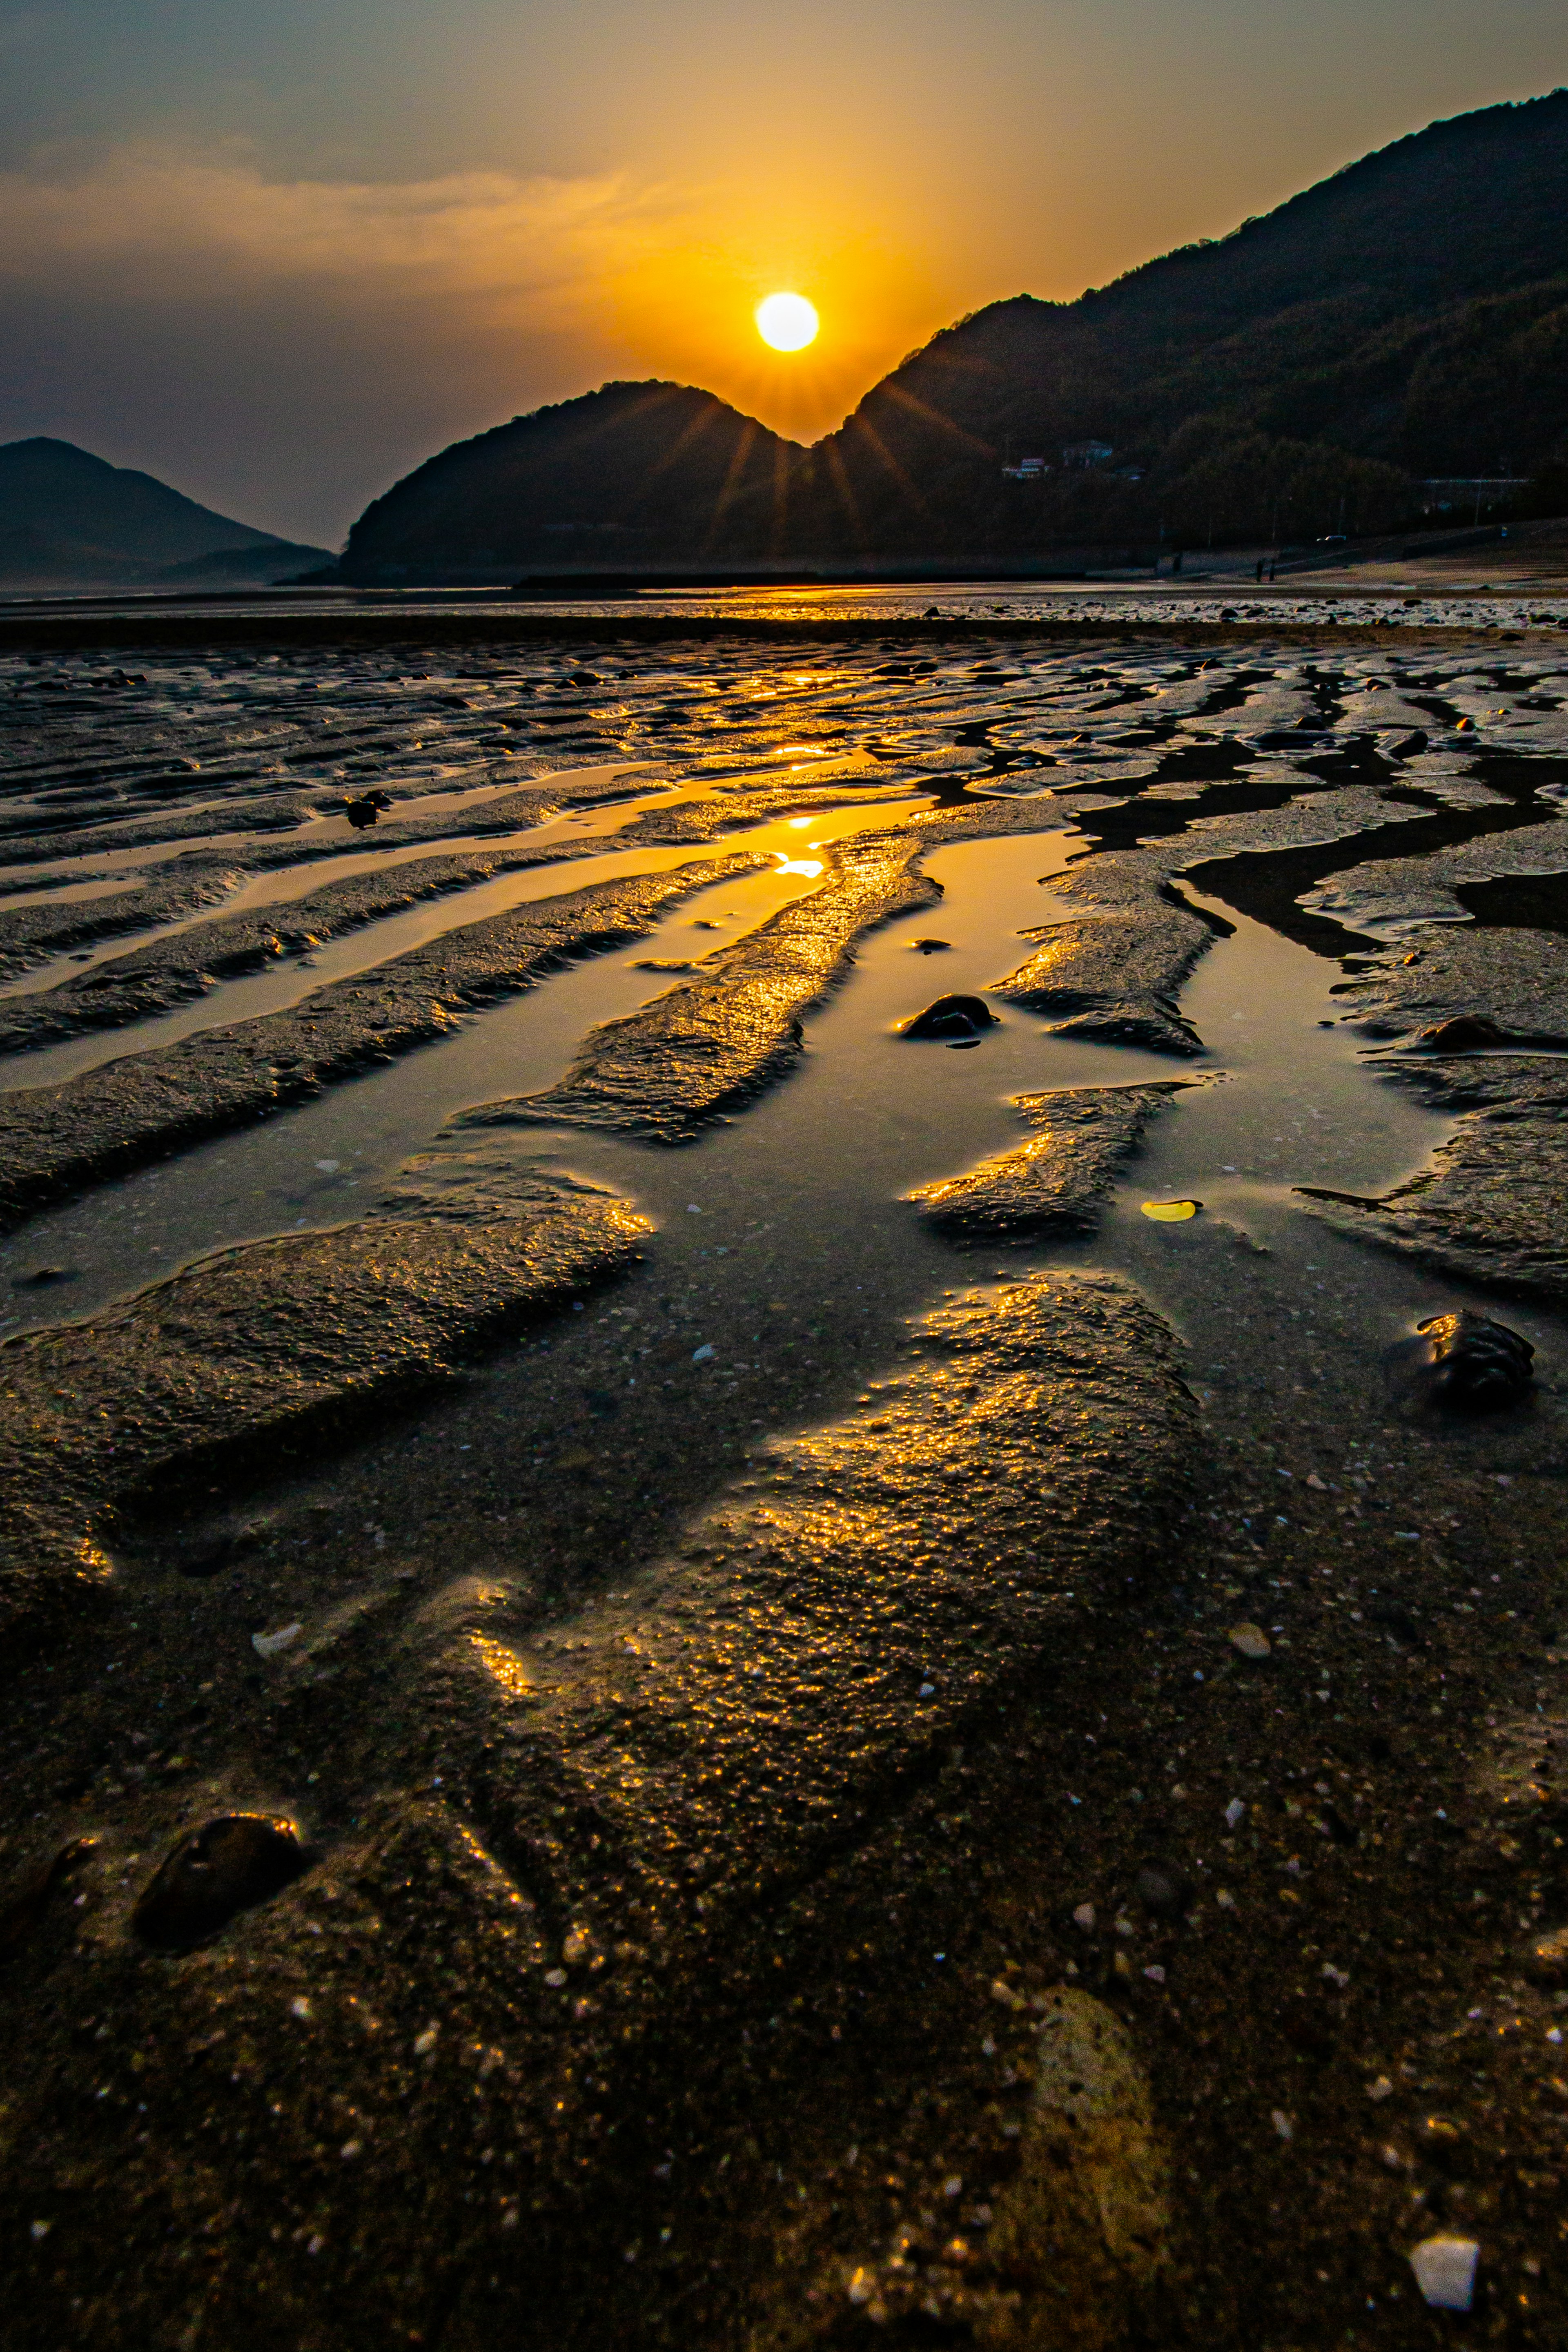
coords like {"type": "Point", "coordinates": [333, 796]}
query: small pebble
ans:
{"type": "Point", "coordinates": [1546, 1963]}
{"type": "Point", "coordinates": [1252, 1641]}
{"type": "Point", "coordinates": [1084, 1915]}
{"type": "Point", "coordinates": [1162, 1892]}
{"type": "Point", "coordinates": [953, 1019]}
{"type": "Point", "coordinates": [1445, 2270]}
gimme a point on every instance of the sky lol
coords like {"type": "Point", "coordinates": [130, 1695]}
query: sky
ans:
{"type": "Point", "coordinates": [276, 252]}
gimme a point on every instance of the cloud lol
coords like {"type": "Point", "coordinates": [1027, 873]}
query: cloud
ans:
{"type": "Point", "coordinates": [283, 348]}
{"type": "Point", "coordinates": [490, 237]}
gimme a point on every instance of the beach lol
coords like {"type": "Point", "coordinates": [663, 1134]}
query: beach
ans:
{"type": "Point", "coordinates": [747, 1589]}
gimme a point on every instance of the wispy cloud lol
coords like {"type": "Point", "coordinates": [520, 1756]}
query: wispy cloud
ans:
{"type": "Point", "coordinates": [284, 346]}
{"type": "Point", "coordinates": [486, 236]}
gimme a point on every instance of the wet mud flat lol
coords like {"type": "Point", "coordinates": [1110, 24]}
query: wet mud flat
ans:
{"type": "Point", "coordinates": [672, 1678]}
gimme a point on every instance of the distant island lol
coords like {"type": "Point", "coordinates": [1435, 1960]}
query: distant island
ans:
{"type": "Point", "coordinates": [71, 520]}
{"type": "Point", "coordinates": [1389, 347]}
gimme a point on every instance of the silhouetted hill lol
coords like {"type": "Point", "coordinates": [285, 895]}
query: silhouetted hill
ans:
{"type": "Point", "coordinates": [1407, 318]}
{"type": "Point", "coordinates": [68, 520]}
{"type": "Point", "coordinates": [631, 476]}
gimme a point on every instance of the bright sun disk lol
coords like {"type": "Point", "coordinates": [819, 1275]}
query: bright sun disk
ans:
{"type": "Point", "coordinates": [787, 321]}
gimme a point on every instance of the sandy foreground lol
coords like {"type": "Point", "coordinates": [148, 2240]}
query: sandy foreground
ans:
{"type": "Point", "coordinates": [673, 1678]}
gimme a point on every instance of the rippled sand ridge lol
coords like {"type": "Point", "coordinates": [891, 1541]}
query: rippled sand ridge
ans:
{"type": "Point", "coordinates": [673, 1680]}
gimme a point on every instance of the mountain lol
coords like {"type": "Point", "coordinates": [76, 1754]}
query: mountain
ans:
{"type": "Point", "coordinates": [68, 520]}
{"type": "Point", "coordinates": [627, 478]}
{"type": "Point", "coordinates": [1405, 319]}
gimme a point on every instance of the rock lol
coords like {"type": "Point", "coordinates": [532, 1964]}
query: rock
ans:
{"type": "Point", "coordinates": [955, 1020]}
{"type": "Point", "coordinates": [1250, 1639]}
{"type": "Point", "coordinates": [1163, 1892]}
{"type": "Point", "coordinates": [42, 1276]}
{"type": "Point", "coordinates": [1469, 1363]}
{"type": "Point", "coordinates": [930, 947]}
{"type": "Point", "coordinates": [231, 1863]}
{"type": "Point", "coordinates": [1170, 1213]}
{"type": "Point", "coordinates": [1463, 1034]}
{"type": "Point", "coordinates": [362, 812]}
{"type": "Point", "coordinates": [1546, 1962]}
{"type": "Point", "coordinates": [1084, 2227]}
{"type": "Point", "coordinates": [1440, 2142]}
{"type": "Point", "coordinates": [1445, 2270]}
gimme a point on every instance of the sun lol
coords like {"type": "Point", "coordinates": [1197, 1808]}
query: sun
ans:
{"type": "Point", "coordinates": [787, 321]}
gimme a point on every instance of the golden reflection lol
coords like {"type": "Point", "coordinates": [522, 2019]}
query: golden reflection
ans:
{"type": "Point", "coordinates": [503, 1665]}
{"type": "Point", "coordinates": [1171, 1212]}
{"type": "Point", "coordinates": [799, 865]}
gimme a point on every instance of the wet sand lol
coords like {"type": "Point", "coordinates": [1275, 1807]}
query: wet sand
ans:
{"type": "Point", "coordinates": [869, 1745]}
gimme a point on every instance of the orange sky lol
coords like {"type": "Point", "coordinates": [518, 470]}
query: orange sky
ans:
{"type": "Point", "coordinates": [278, 253]}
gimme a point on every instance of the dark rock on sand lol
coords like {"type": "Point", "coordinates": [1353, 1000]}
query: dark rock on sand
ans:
{"type": "Point", "coordinates": [227, 1866]}
{"type": "Point", "coordinates": [1467, 1363]}
{"type": "Point", "coordinates": [930, 947]}
{"type": "Point", "coordinates": [1056, 1181]}
{"type": "Point", "coordinates": [1465, 1033]}
{"type": "Point", "coordinates": [951, 1019]}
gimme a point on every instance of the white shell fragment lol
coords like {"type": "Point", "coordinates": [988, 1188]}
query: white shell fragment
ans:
{"type": "Point", "coordinates": [267, 1645]}
{"type": "Point", "coordinates": [1445, 2270]}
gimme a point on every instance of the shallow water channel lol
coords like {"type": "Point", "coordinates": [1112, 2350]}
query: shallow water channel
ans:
{"type": "Point", "coordinates": [807, 1187]}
